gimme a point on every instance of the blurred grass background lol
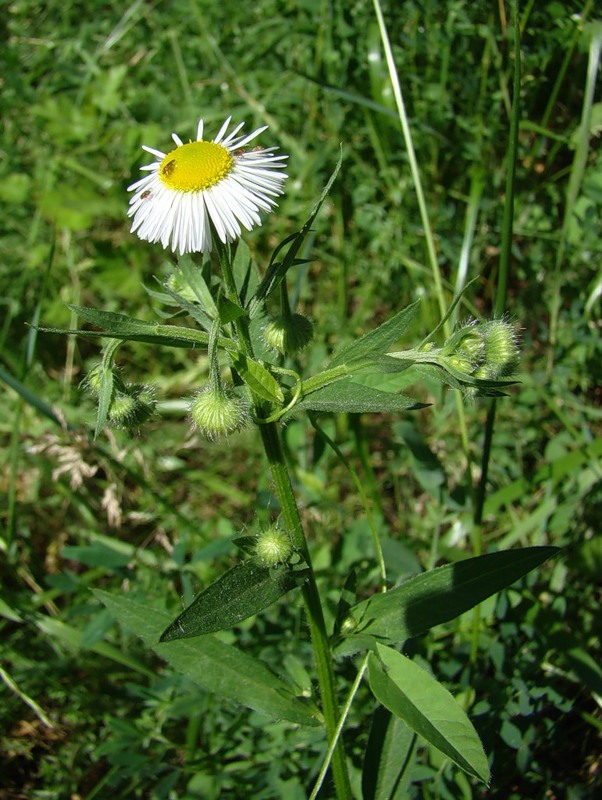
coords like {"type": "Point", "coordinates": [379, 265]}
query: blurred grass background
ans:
{"type": "Point", "coordinates": [85, 710]}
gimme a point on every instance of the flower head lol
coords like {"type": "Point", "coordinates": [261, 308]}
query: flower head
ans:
{"type": "Point", "coordinates": [273, 547]}
{"type": "Point", "coordinates": [288, 334]}
{"type": "Point", "coordinates": [218, 411]}
{"type": "Point", "coordinates": [205, 186]}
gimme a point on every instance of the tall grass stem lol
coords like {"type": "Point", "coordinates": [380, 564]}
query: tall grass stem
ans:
{"type": "Point", "coordinates": [414, 170]}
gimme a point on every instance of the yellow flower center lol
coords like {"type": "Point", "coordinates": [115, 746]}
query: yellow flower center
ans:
{"type": "Point", "coordinates": [195, 166]}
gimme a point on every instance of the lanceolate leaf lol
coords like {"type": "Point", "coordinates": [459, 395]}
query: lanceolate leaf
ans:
{"type": "Point", "coordinates": [427, 708]}
{"type": "Point", "coordinates": [439, 595]}
{"type": "Point", "coordinates": [105, 389]}
{"type": "Point", "coordinates": [258, 378]}
{"type": "Point", "coordinates": [245, 271]}
{"type": "Point", "coordinates": [212, 664]}
{"type": "Point", "coordinates": [390, 754]}
{"type": "Point", "coordinates": [378, 340]}
{"type": "Point", "coordinates": [193, 275]}
{"type": "Point", "coordinates": [241, 592]}
{"type": "Point", "coordinates": [120, 326]}
{"type": "Point", "coordinates": [195, 310]}
{"type": "Point", "coordinates": [181, 336]}
{"type": "Point", "coordinates": [111, 321]}
{"type": "Point", "coordinates": [354, 398]}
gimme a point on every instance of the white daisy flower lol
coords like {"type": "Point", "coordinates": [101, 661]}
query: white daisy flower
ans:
{"type": "Point", "coordinates": [205, 185]}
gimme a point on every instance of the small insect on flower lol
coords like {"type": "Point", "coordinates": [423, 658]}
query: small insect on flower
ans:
{"type": "Point", "coordinates": [206, 188]}
{"type": "Point", "coordinates": [168, 168]}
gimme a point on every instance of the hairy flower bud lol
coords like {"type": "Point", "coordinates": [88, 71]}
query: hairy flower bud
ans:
{"type": "Point", "coordinates": [288, 334]}
{"type": "Point", "coordinates": [218, 412]}
{"type": "Point", "coordinates": [132, 407]}
{"type": "Point", "coordinates": [93, 380]}
{"type": "Point", "coordinates": [465, 349]}
{"type": "Point", "coordinates": [487, 350]}
{"type": "Point", "coordinates": [501, 348]}
{"type": "Point", "coordinates": [273, 546]}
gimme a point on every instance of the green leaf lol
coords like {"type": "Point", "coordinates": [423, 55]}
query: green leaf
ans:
{"type": "Point", "coordinates": [183, 337]}
{"type": "Point", "coordinates": [120, 326]}
{"type": "Point", "coordinates": [229, 311]}
{"type": "Point", "coordinates": [111, 321]}
{"type": "Point", "coordinates": [193, 275]}
{"type": "Point", "coordinates": [439, 595]}
{"type": "Point", "coordinates": [193, 309]}
{"type": "Point", "coordinates": [390, 753]}
{"type": "Point", "coordinates": [427, 708]}
{"type": "Point", "coordinates": [212, 664]}
{"type": "Point", "coordinates": [106, 388]}
{"type": "Point", "coordinates": [378, 340]}
{"type": "Point", "coordinates": [244, 270]}
{"type": "Point", "coordinates": [241, 592]}
{"type": "Point", "coordinates": [354, 398]}
{"type": "Point", "coordinates": [258, 378]}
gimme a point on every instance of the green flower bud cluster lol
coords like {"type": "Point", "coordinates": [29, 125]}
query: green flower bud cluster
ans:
{"type": "Point", "coordinates": [132, 404]}
{"type": "Point", "coordinates": [487, 350]}
{"type": "Point", "coordinates": [273, 546]}
{"type": "Point", "coordinates": [288, 334]}
{"type": "Point", "coordinates": [218, 411]}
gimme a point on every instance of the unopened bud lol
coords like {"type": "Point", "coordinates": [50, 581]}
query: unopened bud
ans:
{"type": "Point", "coordinates": [218, 412]}
{"type": "Point", "coordinates": [132, 407]}
{"type": "Point", "coordinates": [501, 348]}
{"type": "Point", "coordinates": [465, 349]}
{"type": "Point", "coordinates": [273, 547]}
{"type": "Point", "coordinates": [486, 350]}
{"type": "Point", "coordinates": [93, 380]}
{"type": "Point", "coordinates": [288, 335]}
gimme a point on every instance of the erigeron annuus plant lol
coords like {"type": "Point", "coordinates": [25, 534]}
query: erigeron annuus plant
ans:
{"type": "Point", "coordinates": [195, 200]}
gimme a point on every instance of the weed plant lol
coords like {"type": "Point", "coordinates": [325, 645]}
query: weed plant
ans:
{"type": "Point", "coordinates": [106, 539]}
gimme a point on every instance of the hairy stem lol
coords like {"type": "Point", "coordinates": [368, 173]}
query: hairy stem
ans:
{"type": "Point", "coordinates": [273, 447]}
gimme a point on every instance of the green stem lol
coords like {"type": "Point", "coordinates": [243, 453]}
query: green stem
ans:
{"type": "Point", "coordinates": [319, 637]}
{"type": "Point", "coordinates": [273, 449]}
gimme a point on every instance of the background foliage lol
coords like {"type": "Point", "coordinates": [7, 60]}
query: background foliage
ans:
{"type": "Point", "coordinates": [85, 707]}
